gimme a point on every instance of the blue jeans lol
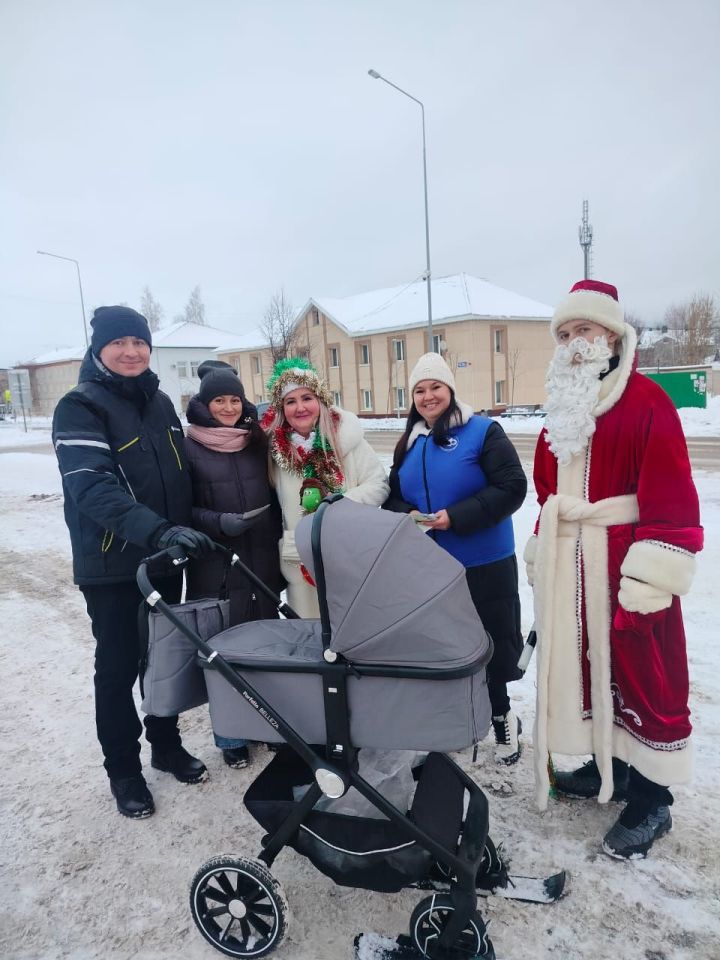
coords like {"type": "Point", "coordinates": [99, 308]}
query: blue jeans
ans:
{"type": "Point", "coordinates": [227, 743]}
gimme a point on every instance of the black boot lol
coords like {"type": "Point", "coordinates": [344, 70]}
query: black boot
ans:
{"type": "Point", "coordinates": [236, 757]}
{"type": "Point", "coordinates": [132, 796]}
{"type": "Point", "coordinates": [584, 783]}
{"type": "Point", "coordinates": [180, 764]}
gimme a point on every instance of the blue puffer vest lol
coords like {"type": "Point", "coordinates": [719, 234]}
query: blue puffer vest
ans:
{"type": "Point", "coordinates": [434, 478]}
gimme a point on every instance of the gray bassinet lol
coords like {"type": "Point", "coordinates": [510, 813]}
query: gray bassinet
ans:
{"type": "Point", "coordinates": [399, 605]}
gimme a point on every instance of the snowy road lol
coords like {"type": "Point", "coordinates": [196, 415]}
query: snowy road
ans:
{"type": "Point", "coordinates": [79, 882]}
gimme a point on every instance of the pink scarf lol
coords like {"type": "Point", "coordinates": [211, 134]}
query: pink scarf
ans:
{"type": "Point", "coordinates": [224, 439]}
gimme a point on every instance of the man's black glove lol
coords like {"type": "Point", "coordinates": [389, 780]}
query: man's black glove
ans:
{"type": "Point", "coordinates": [235, 524]}
{"type": "Point", "coordinates": [194, 542]}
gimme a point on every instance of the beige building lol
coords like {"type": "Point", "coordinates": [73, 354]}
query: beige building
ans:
{"type": "Point", "coordinates": [51, 375]}
{"type": "Point", "coordinates": [497, 343]}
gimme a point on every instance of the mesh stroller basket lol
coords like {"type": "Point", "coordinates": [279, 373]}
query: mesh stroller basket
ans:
{"type": "Point", "coordinates": [374, 854]}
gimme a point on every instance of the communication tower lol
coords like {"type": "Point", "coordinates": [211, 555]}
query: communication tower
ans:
{"type": "Point", "coordinates": [585, 233]}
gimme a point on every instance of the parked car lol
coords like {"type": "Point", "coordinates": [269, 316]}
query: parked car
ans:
{"type": "Point", "coordinates": [524, 410]}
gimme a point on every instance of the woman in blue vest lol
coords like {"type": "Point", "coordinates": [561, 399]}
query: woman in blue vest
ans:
{"type": "Point", "coordinates": [462, 471]}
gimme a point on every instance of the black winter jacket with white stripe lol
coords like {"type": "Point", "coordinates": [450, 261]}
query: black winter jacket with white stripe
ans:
{"type": "Point", "coordinates": [119, 446]}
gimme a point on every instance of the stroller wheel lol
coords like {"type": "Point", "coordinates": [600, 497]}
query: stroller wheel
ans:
{"type": "Point", "coordinates": [238, 906]}
{"type": "Point", "coordinates": [429, 919]}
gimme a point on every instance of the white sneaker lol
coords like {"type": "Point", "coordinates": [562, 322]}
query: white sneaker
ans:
{"type": "Point", "coordinates": [507, 733]}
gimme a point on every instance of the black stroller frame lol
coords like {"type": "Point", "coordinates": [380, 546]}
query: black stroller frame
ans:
{"type": "Point", "coordinates": [442, 929]}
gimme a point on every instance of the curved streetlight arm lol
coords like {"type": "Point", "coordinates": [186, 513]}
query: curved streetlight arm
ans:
{"type": "Point", "coordinates": [378, 76]}
{"type": "Point", "coordinates": [57, 256]}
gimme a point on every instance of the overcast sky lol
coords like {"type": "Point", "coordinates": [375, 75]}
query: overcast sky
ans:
{"type": "Point", "coordinates": [242, 146]}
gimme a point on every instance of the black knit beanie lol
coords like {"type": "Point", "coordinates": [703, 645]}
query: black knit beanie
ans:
{"type": "Point", "coordinates": [112, 323]}
{"type": "Point", "coordinates": [218, 381]}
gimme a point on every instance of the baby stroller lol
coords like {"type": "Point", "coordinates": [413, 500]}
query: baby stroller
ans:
{"type": "Point", "coordinates": [396, 661]}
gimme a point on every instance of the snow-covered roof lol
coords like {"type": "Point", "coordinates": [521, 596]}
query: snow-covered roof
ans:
{"type": "Point", "coordinates": [648, 338]}
{"type": "Point", "coordinates": [459, 297]}
{"type": "Point", "coordinates": [62, 355]}
{"type": "Point", "coordinates": [185, 334]}
{"type": "Point", "coordinates": [254, 340]}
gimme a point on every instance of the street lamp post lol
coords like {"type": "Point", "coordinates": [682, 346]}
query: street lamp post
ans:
{"type": "Point", "coordinates": [377, 76]}
{"type": "Point", "coordinates": [57, 256]}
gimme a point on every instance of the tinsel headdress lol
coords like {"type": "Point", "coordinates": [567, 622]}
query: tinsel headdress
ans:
{"type": "Point", "coordinates": [294, 372]}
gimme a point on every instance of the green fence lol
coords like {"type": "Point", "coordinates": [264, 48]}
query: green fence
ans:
{"type": "Point", "coordinates": [686, 388]}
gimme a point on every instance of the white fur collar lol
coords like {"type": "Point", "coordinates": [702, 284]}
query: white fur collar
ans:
{"type": "Point", "coordinates": [421, 429]}
{"type": "Point", "coordinates": [613, 385]}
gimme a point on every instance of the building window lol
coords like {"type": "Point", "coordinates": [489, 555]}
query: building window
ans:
{"type": "Point", "coordinates": [498, 341]}
{"type": "Point", "coordinates": [334, 357]}
{"type": "Point", "coordinates": [400, 398]}
{"type": "Point", "coordinates": [181, 368]}
{"type": "Point", "coordinates": [194, 364]}
{"type": "Point", "coordinates": [256, 367]}
{"type": "Point", "coordinates": [398, 349]}
{"type": "Point", "coordinates": [499, 391]}
{"type": "Point", "coordinates": [337, 399]}
{"type": "Point", "coordinates": [315, 317]}
{"type": "Point", "coordinates": [367, 399]}
{"type": "Point", "coordinates": [364, 354]}
{"type": "Point", "coordinates": [439, 344]}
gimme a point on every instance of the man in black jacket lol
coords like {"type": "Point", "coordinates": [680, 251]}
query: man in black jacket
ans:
{"type": "Point", "coordinates": [127, 493]}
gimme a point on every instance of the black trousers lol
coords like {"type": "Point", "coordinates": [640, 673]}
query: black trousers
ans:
{"type": "Point", "coordinates": [640, 788]}
{"type": "Point", "coordinates": [494, 590]}
{"type": "Point", "coordinates": [113, 610]}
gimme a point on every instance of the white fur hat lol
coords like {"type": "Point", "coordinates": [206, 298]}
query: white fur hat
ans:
{"type": "Point", "coordinates": [591, 300]}
{"type": "Point", "coordinates": [431, 366]}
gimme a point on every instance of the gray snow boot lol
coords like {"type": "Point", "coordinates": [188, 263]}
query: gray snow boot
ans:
{"type": "Point", "coordinates": [637, 828]}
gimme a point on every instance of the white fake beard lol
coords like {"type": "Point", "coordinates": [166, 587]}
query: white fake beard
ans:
{"type": "Point", "coordinates": [573, 387]}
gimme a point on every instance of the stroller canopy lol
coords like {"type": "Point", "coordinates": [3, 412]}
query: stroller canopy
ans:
{"type": "Point", "coordinates": [394, 597]}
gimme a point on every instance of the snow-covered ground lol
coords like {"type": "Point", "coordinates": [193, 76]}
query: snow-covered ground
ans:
{"type": "Point", "coordinates": [78, 881]}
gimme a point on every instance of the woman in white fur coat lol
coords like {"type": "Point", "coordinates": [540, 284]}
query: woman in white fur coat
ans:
{"type": "Point", "coordinates": [316, 449]}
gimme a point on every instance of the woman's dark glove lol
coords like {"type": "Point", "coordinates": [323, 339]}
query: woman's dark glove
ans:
{"type": "Point", "coordinates": [235, 524]}
{"type": "Point", "coordinates": [194, 542]}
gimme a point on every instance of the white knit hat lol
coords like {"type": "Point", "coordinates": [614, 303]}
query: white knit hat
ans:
{"type": "Point", "coordinates": [431, 366]}
{"type": "Point", "coordinates": [591, 300]}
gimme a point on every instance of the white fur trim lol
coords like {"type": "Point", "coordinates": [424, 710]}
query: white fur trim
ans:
{"type": "Point", "coordinates": [288, 388]}
{"type": "Point", "coordinates": [666, 764]}
{"type": "Point", "coordinates": [659, 565]}
{"type": "Point", "coordinates": [590, 305]}
{"type": "Point", "coordinates": [613, 385]}
{"type": "Point", "coordinates": [559, 726]}
{"type": "Point", "coordinates": [431, 366]}
{"type": "Point", "coordinates": [529, 554]}
{"type": "Point", "coordinates": [638, 597]}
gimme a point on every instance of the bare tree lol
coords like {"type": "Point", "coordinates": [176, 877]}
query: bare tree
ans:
{"type": "Point", "coordinates": [279, 328]}
{"type": "Point", "coordinates": [151, 310]}
{"type": "Point", "coordinates": [195, 308]}
{"type": "Point", "coordinates": [693, 324]}
{"type": "Point", "coordinates": [513, 363]}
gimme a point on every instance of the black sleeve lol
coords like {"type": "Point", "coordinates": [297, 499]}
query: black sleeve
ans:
{"type": "Point", "coordinates": [505, 492]}
{"type": "Point", "coordinates": [395, 502]}
{"type": "Point", "coordinates": [90, 479]}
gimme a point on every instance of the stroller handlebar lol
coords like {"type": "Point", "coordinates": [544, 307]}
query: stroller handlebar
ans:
{"type": "Point", "coordinates": [178, 558]}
